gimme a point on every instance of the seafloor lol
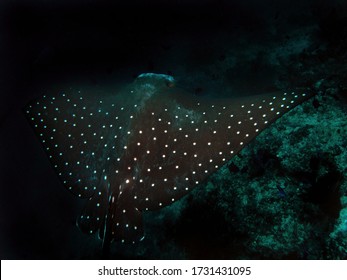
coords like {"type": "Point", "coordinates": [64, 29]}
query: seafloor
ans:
{"type": "Point", "coordinates": [283, 197]}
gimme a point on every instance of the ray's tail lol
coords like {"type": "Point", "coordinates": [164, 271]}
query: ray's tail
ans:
{"type": "Point", "coordinates": [107, 237]}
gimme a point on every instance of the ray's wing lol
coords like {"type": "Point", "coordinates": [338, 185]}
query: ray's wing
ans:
{"type": "Point", "coordinates": [180, 142]}
{"type": "Point", "coordinates": [75, 132]}
{"type": "Point", "coordinates": [82, 134]}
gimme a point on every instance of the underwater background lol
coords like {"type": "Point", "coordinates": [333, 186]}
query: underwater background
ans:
{"type": "Point", "coordinates": [283, 197]}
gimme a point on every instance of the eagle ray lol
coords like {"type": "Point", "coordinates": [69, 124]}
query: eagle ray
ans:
{"type": "Point", "coordinates": [146, 146]}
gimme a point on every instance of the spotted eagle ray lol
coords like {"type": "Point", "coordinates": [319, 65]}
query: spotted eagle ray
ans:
{"type": "Point", "coordinates": [144, 147]}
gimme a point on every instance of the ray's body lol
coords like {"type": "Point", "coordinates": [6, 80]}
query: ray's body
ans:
{"type": "Point", "coordinates": [144, 147]}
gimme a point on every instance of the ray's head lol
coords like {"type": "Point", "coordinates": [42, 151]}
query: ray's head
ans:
{"type": "Point", "coordinates": [157, 81]}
